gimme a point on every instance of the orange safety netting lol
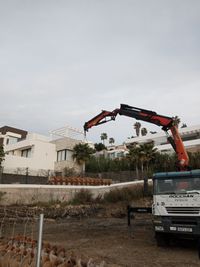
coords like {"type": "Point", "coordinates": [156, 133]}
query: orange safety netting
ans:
{"type": "Point", "coordinates": [59, 180]}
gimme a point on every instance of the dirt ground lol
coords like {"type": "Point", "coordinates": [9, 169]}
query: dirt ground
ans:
{"type": "Point", "coordinates": [104, 237]}
{"type": "Point", "coordinates": [111, 240]}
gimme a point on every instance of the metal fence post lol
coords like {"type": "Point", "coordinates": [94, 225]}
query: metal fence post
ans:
{"type": "Point", "coordinates": [40, 232]}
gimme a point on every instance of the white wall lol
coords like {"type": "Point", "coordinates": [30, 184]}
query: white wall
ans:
{"type": "Point", "coordinates": [30, 194]}
{"type": "Point", "coordinates": [188, 144]}
{"type": "Point", "coordinates": [43, 155]}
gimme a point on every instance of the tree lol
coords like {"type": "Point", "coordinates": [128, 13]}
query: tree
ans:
{"type": "Point", "coordinates": [144, 131]}
{"type": "Point", "coordinates": [137, 127]}
{"type": "Point", "coordinates": [99, 146]}
{"type": "Point", "coordinates": [104, 137]}
{"type": "Point", "coordinates": [111, 140]}
{"type": "Point", "coordinates": [147, 153]}
{"type": "Point", "coordinates": [184, 125]}
{"type": "Point", "coordinates": [142, 155]}
{"type": "Point", "coordinates": [82, 153]}
{"type": "Point", "coordinates": [134, 156]}
{"type": "Point", "coordinates": [2, 155]}
{"type": "Point", "coordinates": [176, 120]}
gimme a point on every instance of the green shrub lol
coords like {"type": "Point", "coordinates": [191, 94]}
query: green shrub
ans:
{"type": "Point", "coordinates": [82, 197]}
{"type": "Point", "coordinates": [68, 172]}
{"type": "Point", "coordinates": [127, 194]}
{"type": "Point", "coordinates": [2, 194]}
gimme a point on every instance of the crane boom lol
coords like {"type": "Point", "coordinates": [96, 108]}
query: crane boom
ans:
{"type": "Point", "coordinates": [100, 119]}
{"type": "Point", "coordinates": [167, 123]}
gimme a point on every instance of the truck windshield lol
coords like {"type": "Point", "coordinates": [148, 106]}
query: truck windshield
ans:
{"type": "Point", "coordinates": [177, 185]}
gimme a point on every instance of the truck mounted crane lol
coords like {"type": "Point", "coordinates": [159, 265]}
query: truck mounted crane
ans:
{"type": "Point", "coordinates": [167, 124]}
{"type": "Point", "coordinates": [176, 195]}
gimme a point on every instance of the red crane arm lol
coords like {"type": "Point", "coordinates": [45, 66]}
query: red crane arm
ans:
{"type": "Point", "coordinates": [183, 159]}
{"type": "Point", "coordinates": [146, 115]}
{"type": "Point", "coordinates": [100, 119]}
{"type": "Point", "coordinates": [167, 123]}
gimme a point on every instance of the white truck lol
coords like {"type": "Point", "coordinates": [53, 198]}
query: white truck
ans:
{"type": "Point", "coordinates": [176, 205]}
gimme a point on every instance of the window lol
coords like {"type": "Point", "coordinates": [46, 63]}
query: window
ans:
{"type": "Point", "coordinates": [176, 185]}
{"type": "Point", "coordinates": [69, 155]}
{"type": "Point", "coordinates": [11, 140]}
{"type": "Point", "coordinates": [64, 155]}
{"type": "Point", "coordinates": [120, 154]}
{"type": "Point", "coordinates": [61, 155]}
{"type": "Point", "coordinates": [26, 153]}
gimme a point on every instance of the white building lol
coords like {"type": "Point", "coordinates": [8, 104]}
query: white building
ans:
{"type": "Point", "coordinates": [114, 152]}
{"type": "Point", "coordinates": [42, 156]}
{"type": "Point", "coordinates": [64, 155]}
{"type": "Point", "coordinates": [35, 153]}
{"type": "Point", "coordinates": [190, 136]}
{"type": "Point", "coordinates": [10, 135]}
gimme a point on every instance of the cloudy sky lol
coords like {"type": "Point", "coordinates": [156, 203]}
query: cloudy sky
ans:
{"type": "Point", "coordinates": [63, 61]}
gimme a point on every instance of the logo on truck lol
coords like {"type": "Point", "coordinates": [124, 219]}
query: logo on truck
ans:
{"type": "Point", "coordinates": [181, 196]}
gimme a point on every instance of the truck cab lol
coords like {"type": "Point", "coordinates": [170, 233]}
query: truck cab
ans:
{"type": "Point", "coordinates": [176, 205]}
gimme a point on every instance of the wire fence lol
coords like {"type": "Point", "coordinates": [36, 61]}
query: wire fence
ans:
{"type": "Point", "coordinates": [20, 244]}
{"type": "Point", "coordinates": [12, 218]}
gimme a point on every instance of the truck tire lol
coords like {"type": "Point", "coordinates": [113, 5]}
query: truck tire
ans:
{"type": "Point", "coordinates": [162, 240]}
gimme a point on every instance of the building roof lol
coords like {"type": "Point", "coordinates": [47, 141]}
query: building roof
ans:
{"type": "Point", "coordinates": [5, 129]}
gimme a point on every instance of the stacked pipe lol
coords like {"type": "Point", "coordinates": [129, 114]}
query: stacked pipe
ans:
{"type": "Point", "coordinates": [21, 251]}
{"type": "Point", "coordinates": [59, 180]}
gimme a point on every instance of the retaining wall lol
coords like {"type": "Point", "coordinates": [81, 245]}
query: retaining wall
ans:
{"type": "Point", "coordinates": [30, 194]}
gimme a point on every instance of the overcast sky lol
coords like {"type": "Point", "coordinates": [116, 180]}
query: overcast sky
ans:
{"type": "Point", "coordinates": [63, 61]}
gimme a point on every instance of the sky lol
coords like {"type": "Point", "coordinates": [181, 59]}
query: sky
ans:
{"type": "Point", "coordinates": [64, 61]}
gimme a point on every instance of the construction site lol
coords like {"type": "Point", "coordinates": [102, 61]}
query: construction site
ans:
{"type": "Point", "coordinates": [90, 236]}
{"type": "Point", "coordinates": [99, 133]}
{"type": "Point", "coordinates": [93, 222]}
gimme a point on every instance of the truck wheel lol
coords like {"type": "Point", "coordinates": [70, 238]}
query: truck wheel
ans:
{"type": "Point", "coordinates": [162, 240]}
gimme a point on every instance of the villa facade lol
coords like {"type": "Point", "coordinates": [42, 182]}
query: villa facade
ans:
{"type": "Point", "coordinates": [36, 154]}
{"type": "Point", "coordinates": [190, 136]}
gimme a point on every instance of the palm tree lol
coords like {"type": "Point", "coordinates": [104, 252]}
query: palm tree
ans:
{"type": "Point", "coordinates": [147, 153]}
{"type": "Point", "coordinates": [134, 157]}
{"type": "Point", "coordinates": [99, 146]}
{"type": "Point", "coordinates": [144, 131]}
{"type": "Point", "coordinates": [104, 136]}
{"type": "Point", "coordinates": [137, 127]}
{"type": "Point", "coordinates": [184, 125]}
{"type": "Point", "coordinates": [176, 120]}
{"type": "Point", "coordinates": [82, 153]}
{"type": "Point", "coordinates": [111, 140]}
